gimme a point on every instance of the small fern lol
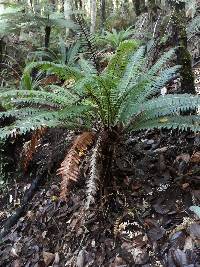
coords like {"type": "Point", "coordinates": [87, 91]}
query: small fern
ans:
{"type": "Point", "coordinates": [115, 38]}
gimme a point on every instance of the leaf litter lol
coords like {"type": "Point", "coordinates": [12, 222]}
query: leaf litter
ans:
{"type": "Point", "coordinates": [151, 221]}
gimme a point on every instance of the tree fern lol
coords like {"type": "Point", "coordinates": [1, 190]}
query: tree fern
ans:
{"type": "Point", "coordinates": [126, 94]}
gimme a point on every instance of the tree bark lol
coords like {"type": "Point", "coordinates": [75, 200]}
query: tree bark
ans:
{"type": "Point", "coordinates": [47, 36]}
{"type": "Point", "coordinates": [182, 53]}
{"type": "Point", "coordinates": [67, 13]}
{"type": "Point", "coordinates": [139, 6]}
{"type": "Point", "coordinates": [93, 11]}
{"type": "Point", "coordinates": [2, 49]}
{"type": "Point", "coordinates": [103, 13]}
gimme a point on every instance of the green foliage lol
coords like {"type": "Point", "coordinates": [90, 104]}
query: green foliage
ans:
{"type": "Point", "coordinates": [114, 38]}
{"type": "Point", "coordinates": [193, 27]}
{"type": "Point", "coordinates": [125, 96]}
{"type": "Point", "coordinates": [65, 55]}
{"type": "Point", "coordinates": [21, 16]}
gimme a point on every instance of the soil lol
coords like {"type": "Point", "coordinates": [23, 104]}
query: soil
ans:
{"type": "Point", "coordinates": [144, 220]}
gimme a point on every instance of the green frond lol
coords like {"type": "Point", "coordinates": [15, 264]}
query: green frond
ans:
{"type": "Point", "coordinates": [157, 83]}
{"type": "Point", "coordinates": [34, 102]}
{"type": "Point", "coordinates": [170, 105]}
{"type": "Point", "coordinates": [61, 70]}
{"type": "Point", "coordinates": [45, 119]}
{"type": "Point", "coordinates": [47, 96]}
{"type": "Point", "coordinates": [160, 106]}
{"type": "Point", "coordinates": [69, 117]}
{"type": "Point", "coordinates": [132, 72]}
{"type": "Point", "coordinates": [194, 26]}
{"type": "Point", "coordinates": [160, 63]}
{"type": "Point", "coordinates": [184, 123]}
{"type": "Point", "coordinates": [63, 92]}
{"type": "Point", "coordinates": [87, 67]}
{"type": "Point", "coordinates": [114, 38]}
{"type": "Point", "coordinates": [72, 53]}
{"type": "Point", "coordinates": [120, 59]}
{"type": "Point", "coordinates": [145, 89]}
{"type": "Point", "coordinates": [20, 113]}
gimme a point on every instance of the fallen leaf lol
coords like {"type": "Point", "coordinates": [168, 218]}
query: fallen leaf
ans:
{"type": "Point", "coordinates": [183, 157]}
{"type": "Point", "coordinates": [188, 244]}
{"type": "Point", "coordinates": [180, 257]}
{"type": "Point", "coordinates": [194, 230]}
{"type": "Point", "coordinates": [195, 158]}
{"type": "Point", "coordinates": [81, 259]}
{"type": "Point", "coordinates": [48, 257]}
{"type": "Point", "coordinates": [13, 252]}
{"type": "Point", "coordinates": [16, 263]}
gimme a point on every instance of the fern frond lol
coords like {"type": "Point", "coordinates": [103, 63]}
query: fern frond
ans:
{"type": "Point", "coordinates": [171, 104]}
{"type": "Point", "coordinates": [87, 67]}
{"type": "Point", "coordinates": [48, 96]}
{"type": "Point", "coordinates": [93, 175]}
{"type": "Point", "coordinates": [20, 113]}
{"type": "Point", "coordinates": [161, 62]}
{"type": "Point", "coordinates": [34, 102]}
{"type": "Point", "coordinates": [157, 83]}
{"type": "Point", "coordinates": [61, 70]}
{"type": "Point", "coordinates": [87, 40]}
{"type": "Point", "coordinates": [132, 71]}
{"type": "Point", "coordinates": [162, 106]}
{"type": "Point", "coordinates": [72, 53]}
{"type": "Point", "coordinates": [69, 169]}
{"type": "Point", "coordinates": [44, 119]}
{"type": "Point", "coordinates": [64, 92]}
{"type": "Point", "coordinates": [143, 89]}
{"type": "Point", "coordinates": [119, 61]}
{"type": "Point", "coordinates": [184, 123]}
{"type": "Point", "coordinates": [193, 26]}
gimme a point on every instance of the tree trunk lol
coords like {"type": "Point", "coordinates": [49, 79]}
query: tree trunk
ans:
{"type": "Point", "coordinates": [47, 36]}
{"type": "Point", "coordinates": [93, 11]}
{"type": "Point", "coordinates": [67, 13]}
{"type": "Point", "coordinates": [139, 6]}
{"type": "Point", "coordinates": [2, 49]}
{"type": "Point", "coordinates": [182, 53]}
{"type": "Point", "coordinates": [103, 13]}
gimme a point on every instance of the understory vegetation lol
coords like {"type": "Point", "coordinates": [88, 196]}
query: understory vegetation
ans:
{"type": "Point", "coordinates": [99, 109]}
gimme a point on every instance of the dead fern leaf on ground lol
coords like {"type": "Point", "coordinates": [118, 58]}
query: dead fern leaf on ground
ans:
{"type": "Point", "coordinates": [31, 147]}
{"type": "Point", "coordinates": [69, 169]}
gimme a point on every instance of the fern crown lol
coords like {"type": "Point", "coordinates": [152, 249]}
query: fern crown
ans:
{"type": "Point", "coordinates": [126, 95]}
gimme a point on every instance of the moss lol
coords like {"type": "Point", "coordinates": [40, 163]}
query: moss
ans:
{"type": "Point", "coordinates": [183, 55]}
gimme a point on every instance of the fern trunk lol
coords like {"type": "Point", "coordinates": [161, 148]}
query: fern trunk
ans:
{"type": "Point", "coordinates": [108, 143]}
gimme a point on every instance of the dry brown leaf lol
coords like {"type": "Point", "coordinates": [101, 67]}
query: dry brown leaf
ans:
{"type": "Point", "coordinates": [69, 169]}
{"type": "Point", "coordinates": [183, 157]}
{"type": "Point", "coordinates": [195, 158]}
{"type": "Point", "coordinates": [48, 257]}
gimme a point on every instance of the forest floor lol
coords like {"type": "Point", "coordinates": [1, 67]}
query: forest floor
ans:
{"type": "Point", "coordinates": [146, 222]}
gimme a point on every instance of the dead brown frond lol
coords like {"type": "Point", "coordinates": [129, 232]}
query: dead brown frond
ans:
{"type": "Point", "coordinates": [31, 146]}
{"type": "Point", "coordinates": [69, 169]}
